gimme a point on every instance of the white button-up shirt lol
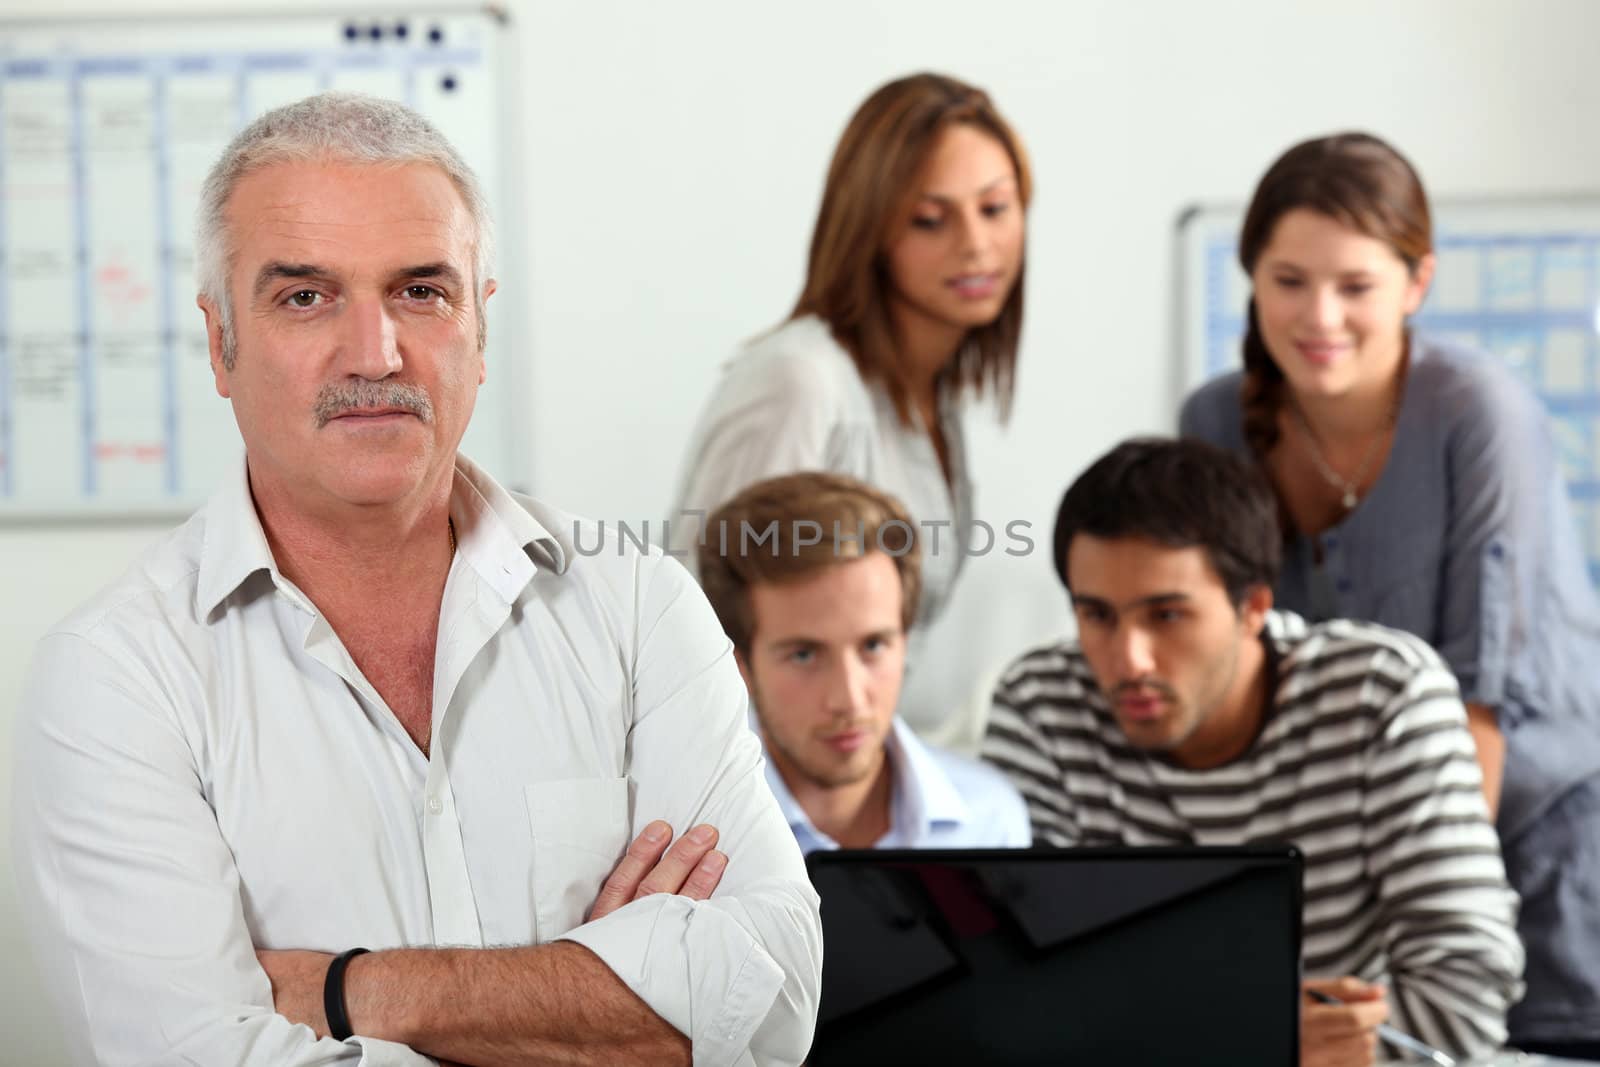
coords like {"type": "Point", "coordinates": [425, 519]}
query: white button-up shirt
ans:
{"type": "Point", "coordinates": [202, 771]}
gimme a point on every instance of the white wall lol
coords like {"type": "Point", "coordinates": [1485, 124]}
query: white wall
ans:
{"type": "Point", "coordinates": [674, 157]}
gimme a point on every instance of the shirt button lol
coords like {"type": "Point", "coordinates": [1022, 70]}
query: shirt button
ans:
{"type": "Point", "coordinates": [1343, 585]}
{"type": "Point", "coordinates": [434, 805]}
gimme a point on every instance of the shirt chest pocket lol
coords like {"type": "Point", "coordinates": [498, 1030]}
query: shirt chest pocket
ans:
{"type": "Point", "coordinates": [580, 832]}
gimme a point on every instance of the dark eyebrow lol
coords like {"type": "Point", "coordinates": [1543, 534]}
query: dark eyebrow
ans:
{"type": "Point", "coordinates": [1154, 600]}
{"type": "Point", "coordinates": [987, 188]}
{"type": "Point", "coordinates": [784, 643]}
{"type": "Point", "coordinates": [1354, 274]}
{"type": "Point", "coordinates": [278, 270]}
{"type": "Point", "coordinates": [440, 271]}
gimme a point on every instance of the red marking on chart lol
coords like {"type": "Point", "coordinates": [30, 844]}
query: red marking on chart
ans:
{"type": "Point", "coordinates": [139, 452]}
{"type": "Point", "coordinates": [118, 283]}
{"type": "Point", "coordinates": [121, 290]}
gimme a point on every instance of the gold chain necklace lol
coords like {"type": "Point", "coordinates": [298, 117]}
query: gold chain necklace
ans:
{"type": "Point", "coordinates": [450, 526]}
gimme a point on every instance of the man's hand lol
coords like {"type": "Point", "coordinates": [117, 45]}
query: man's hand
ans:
{"type": "Point", "coordinates": [1345, 1034]}
{"type": "Point", "coordinates": [297, 978]}
{"type": "Point", "coordinates": [692, 868]}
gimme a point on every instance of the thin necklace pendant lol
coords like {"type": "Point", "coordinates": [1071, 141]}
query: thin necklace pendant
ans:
{"type": "Point", "coordinates": [1349, 491]}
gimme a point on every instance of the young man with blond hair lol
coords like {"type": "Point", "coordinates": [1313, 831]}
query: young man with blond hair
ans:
{"type": "Point", "coordinates": [815, 578]}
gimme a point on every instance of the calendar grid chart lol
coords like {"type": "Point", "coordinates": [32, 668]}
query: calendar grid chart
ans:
{"type": "Point", "coordinates": [165, 294]}
{"type": "Point", "coordinates": [85, 320]}
{"type": "Point", "coordinates": [107, 403]}
{"type": "Point", "coordinates": [7, 453]}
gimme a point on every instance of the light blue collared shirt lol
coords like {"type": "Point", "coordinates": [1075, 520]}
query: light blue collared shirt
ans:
{"type": "Point", "coordinates": [937, 800]}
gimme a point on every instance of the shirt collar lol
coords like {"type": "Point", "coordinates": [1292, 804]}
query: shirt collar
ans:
{"type": "Point", "coordinates": [499, 536]}
{"type": "Point", "coordinates": [799, 822]}
{"type": "Point", "coordinates": [234, 546]}
{"type": "Point", "coordinates": [921, 799]}
{"type": "Point", "coordinates": [924, 796]}
{"type": "Point", "coordinates": [495, 534]}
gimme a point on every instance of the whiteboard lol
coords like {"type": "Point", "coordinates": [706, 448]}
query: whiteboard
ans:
{"type": "Point", "coordinates": [1518, 277]}
{"type": "Point", "coordinates": [108, 406]}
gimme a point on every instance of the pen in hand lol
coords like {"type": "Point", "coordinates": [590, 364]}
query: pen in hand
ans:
{"type": "Point", "coordinates": [1394, 1038]}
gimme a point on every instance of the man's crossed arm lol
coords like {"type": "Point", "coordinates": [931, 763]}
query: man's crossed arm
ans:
{"type": "Point", "coordinates": [544, 1003]}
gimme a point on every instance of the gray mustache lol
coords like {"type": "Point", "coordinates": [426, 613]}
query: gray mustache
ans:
{"type": "Point", "coordinates": [334, 400]}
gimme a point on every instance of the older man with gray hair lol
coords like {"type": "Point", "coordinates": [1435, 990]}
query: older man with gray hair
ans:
{"type": "Point", "coordinates": [365, 763]}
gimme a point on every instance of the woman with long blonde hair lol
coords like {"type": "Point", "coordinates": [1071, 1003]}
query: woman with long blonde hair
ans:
{"type": "Point", "coordinates": [912, 302]}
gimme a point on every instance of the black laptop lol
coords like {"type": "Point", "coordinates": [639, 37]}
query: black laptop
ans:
{"type": "Point", "coordinates": [1093, 956]}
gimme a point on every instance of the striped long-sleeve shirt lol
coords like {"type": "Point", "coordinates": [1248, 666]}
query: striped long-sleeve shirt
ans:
{"type": "Point", "coordinates": [1364, 761]}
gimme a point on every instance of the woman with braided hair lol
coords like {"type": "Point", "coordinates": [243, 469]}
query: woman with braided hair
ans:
{"type": "Point", "coordinates": [1419, 487]}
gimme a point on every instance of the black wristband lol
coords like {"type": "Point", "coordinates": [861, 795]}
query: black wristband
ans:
{"type": "Point", "coordinates": [333, 994]}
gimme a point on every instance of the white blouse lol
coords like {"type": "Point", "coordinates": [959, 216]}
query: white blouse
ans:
{"type": "Point", "coordinates": [793, 400]}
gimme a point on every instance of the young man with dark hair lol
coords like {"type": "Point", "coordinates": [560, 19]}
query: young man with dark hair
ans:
{"type": "Point", "coordinates": [1187, 711]}
{"type": "Point", "coordinates": [815, 578]}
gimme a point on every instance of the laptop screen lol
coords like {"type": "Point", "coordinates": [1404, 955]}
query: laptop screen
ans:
{"type": "Point", "coordinates": [1097, 956]}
